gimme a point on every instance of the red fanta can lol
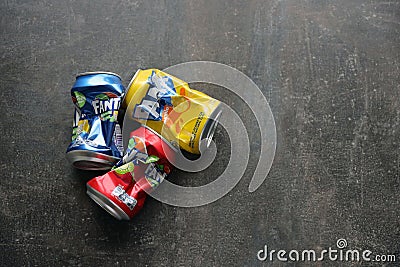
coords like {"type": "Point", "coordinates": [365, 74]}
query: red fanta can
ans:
{"type": "Point", "coordinates": [122, 191]}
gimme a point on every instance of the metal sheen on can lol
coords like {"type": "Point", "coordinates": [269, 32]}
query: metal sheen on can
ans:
{"type": "Point", "coordinates": [96, 136]}
{"type": "Point", "coordinates": [122, 191]}
{"type": "Point", "coordinates": [166, 104]}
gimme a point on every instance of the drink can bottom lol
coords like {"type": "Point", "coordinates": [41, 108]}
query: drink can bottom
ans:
{"type": "Point", "coordinates": [210, 126]}
{"type": "Point", "coordinates": [104, 202]}
{"type": "Point", "coordinates": [89, 160]}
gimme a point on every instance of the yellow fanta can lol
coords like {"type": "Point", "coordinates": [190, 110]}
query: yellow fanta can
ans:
{"type": "Point", "coordinates": [167, 105]}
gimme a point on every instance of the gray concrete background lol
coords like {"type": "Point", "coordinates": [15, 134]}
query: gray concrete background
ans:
{"type": "Point", "coordinates": [329, 69]}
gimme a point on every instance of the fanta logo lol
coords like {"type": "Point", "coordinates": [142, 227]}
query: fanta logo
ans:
{"type": "Point", "coordinates": [153, 175]}
{"type": "Point", "coordinates": [161, 88]}
{"type": "Point", "coordinates": [101, 106]}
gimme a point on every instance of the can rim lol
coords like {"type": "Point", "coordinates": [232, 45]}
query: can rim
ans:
{"type": "Point", "coordinates": [97, 72]}
{"type": "Point", "coordinates": [108, 205]}
{"type": "Point", "coordinates": [105, 162]}
{"type": "Point", "coordinates": [208, 131]}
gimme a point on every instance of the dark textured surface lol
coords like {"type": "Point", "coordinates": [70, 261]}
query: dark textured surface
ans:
{"type": "Point", "coordinates": [329, 69]}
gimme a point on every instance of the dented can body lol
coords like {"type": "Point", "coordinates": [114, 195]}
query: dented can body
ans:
{"type": "Point", "coordinates": [122, 191]}
{"type": "Point", "coordinates": [96, 137]}
{"type": "Point", "coordinates": [166, 104]}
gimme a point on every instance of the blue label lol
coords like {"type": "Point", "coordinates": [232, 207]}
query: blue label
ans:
{"type": "Point", "coordinates": [97, 100]}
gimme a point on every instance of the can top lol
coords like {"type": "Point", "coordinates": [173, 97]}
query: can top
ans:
{"type": "Point", "coordinates": [97, 72]}
{"type": "Point", "coordinates": [111, 207]}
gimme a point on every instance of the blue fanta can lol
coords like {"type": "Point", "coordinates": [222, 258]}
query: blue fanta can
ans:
{"type": "Point", "coordinates": [96, 135]}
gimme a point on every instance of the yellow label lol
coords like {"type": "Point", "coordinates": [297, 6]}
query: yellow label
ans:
{"type": "Point", "coordinates": [170, 107]}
